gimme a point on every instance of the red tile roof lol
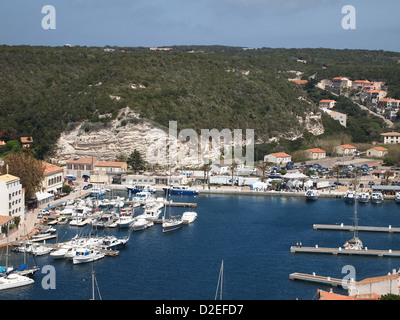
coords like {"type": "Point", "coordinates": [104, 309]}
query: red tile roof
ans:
{"type": "Point", "coordinates": [347, 146]}
{"type": "Point", "coordinates": [316, 150]}
{"type": "Point", "coordinates": [281, 155]}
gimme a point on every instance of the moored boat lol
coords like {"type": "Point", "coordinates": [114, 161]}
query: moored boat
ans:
{"type": "Point", "coordinates": [363, 197]}
{"type": "Point", "coordinates": [189, 217]}
{"type": "Point", "coordinates": [377, 197]}
{"type": "Point", "coordinates": [180, 190]}
{"type": "Point", "coordinates": [350, 196]}
{"type": "Point", "coordinates": [312, 194]}
{"type": "Point", "coordinates": [141, 223]}
{"type": "Point", "coordinates": [85, 255]}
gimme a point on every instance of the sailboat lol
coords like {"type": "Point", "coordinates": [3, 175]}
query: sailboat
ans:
{"type": "Point", "coordinates": [355, 243]}
{"type": "Point", "coordinates": [94, 282]}
{"type": "Point", "coordinates": [220, 282]}
{"type": "Point", "coordinates": [12, 280]}
{"type": "Point", "coordinates": [172, 223]}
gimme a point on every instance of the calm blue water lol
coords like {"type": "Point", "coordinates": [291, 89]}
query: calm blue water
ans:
{"type": "Point", "coordinates": [252, 234]}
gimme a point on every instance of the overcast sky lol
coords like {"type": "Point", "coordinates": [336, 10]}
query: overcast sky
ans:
{"type": "Point", "coordinates": [248, 23]}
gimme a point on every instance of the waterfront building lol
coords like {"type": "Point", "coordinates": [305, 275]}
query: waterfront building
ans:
{"type": "Point", "coordinates": [53, 178]}
{"type": "Point", "coordinates": [78, 167]}
{"type": "Point", "coordinates": [152, 180]}
{"type": "Point", "coordinates": [12, 201]}
{"type": "Point", "coordinates": [377, 152]}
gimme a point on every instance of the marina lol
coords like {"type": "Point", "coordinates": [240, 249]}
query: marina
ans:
{"type": "Point", "coordinates": [252, 239]}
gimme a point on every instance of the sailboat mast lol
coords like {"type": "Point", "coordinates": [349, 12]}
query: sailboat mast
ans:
{"type": "Point", "coordinates": [220, 282]}
{"type": "Point", "coordinates": [355, 206]}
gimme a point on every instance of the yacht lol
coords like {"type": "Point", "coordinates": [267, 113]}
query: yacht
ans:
{"type": "Point", "coordinates": [141, 223]}
{"type": "Point", "coordinates": [377, 197]}
{"type": "Point", "coordinates": [180, 190]}
{"type": "Point", "coordinates": [141, 196]}
{"type": "Point", "coordinates": [363, 197]}
{"type": "Point", "coordinates": [125, 221]}
{"type": "Point", "coordinates": [98, 192]}
{"type": "Point", "coordinates": [312, 194]}
{"type": "Point", "coordinates": [61, 252]}
{"type": "Point", "coordinates": [152, 213]}
{"type": "Point", "coordinates": [113, 243]}
{"type": "Point", "coordinates": [141, 188]}
{"type": "Point", "coordinates": [84, 255]}
{"type": "Point", "coordinates": [103, 221]}
{"type": "Point", "coordinates": [14, 281]}
{"type": "Point", "coordinates": [350, 196]}
{"type": "Point", "coordinates": [188, 217]}
{"type": "Point", "coordinates": [75, 221]}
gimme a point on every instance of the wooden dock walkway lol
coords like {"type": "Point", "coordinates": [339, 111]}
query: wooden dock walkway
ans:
{"type": "Point", "coordinates": [320, 279]}
{"type": "Point", "coordinates": [343, 227]}
{"type": "Point", "coordinates": [337, 251]}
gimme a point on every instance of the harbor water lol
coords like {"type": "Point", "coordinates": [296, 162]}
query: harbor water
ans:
{"type": "Point", "coordinates": [251, 234]}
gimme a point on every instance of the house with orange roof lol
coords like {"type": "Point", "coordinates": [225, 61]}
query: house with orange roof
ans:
{"type": "Point", "coordinates": [325, 295]}
{"type": "Point", "coordinates": [327, 104]}
{"type": "Point", "coordinates": [391, 137]}
{"type": "Point", "coordinates": [316, 154]}
{"type": "Point", "coordinates": [26, 141]}
{"type": "Point", "coordinates": [53, 178]}
{"type": "Point", "coordinates": [377, 152]}
{"type": "Point", "coordinates": [278, 158]}
{"type": "Point", "coordinates": [345, 150]}
{"type": "Point", "coordinates": [387, 284]}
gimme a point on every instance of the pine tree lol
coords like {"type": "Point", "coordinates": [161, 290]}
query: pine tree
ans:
{"type": "Point", "coordinates": [135, 161]}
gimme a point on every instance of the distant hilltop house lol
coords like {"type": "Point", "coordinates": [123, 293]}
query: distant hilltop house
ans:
{"type": "Point", "coordinates": [340, 83]}
{"type": "Point", "coordinates": [26, 142]}
{"type": "Point", "coordinates": [2, 143]}
{"type": "Point", "coordinates": [338, 116]}
{"type": "Point", "coordinates": [327, 104]}
{"type": "Point", "coordinates": [160, 49]}
{"type": "Point", "coordinates": [278, 158]}
{"type": "Point", "coordinates": [377, 152]}
{"type": "Point", "coordinates": [365, 85]}
{"type": "Point", "coordinates": [316, 154]}
{"type": "Point", "coordinates": [391, 137]}
{"type": "Point", "coordinates": [345, 150]}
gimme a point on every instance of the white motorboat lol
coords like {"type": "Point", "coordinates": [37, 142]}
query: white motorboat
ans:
{"type": "Point", "coordinates": [62, 252]}
{"type": "Point", "coordinates": [312, 194]}
{"type": "Point", "coordinates": [103, 221]}
{"type": "Point", "coordinates": [125, 221]}
{"type": "Point", "coordinates": [75, 221]}
{"type": "Point", "coordinates": [353, 244]}
{"type": "Point", "coordinates": [113, 243]}
{"type": "Point", "coordinates": [85, 255]}
{"type": "Point", "coordinates": [39, 250]}
{"type": "Point", "coordinates": [350, 196]}
{"type": "Point", "coordinates": [14, 281]}
{"type": "Point", "coordinates": [152, 213]}
{"type": "Point", "coordinates": [141, 223]}
{"type": "Point", "coordinates": [363, 197]}
{"type": "Point", "coordinates": [188, 217]}
{"type": "Point", "coordinates": [397, 197]}
{"type": "Point", "coordinates": [377, 197]}
{"type": "Point", "coordinates": [141, 196]}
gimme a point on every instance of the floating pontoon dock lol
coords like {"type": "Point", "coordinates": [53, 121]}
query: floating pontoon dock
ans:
{"type": "Point", "coordinates": [336, 251]}
{"type": "Point", "coordinates": [319, 279]}
{"type": "Point", "coordinates": [343, 227]}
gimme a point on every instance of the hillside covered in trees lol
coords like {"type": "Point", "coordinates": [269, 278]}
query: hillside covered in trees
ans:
{"type": "Point", "coordinates": [43, 89]}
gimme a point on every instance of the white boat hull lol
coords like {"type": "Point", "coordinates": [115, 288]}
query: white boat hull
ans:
{"type": "Point", "coordinates": [14, 281]}
{"type": "Point", "coordinates": [169, 226]}
{"type": "Point", "coordinates": [88, 258]}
